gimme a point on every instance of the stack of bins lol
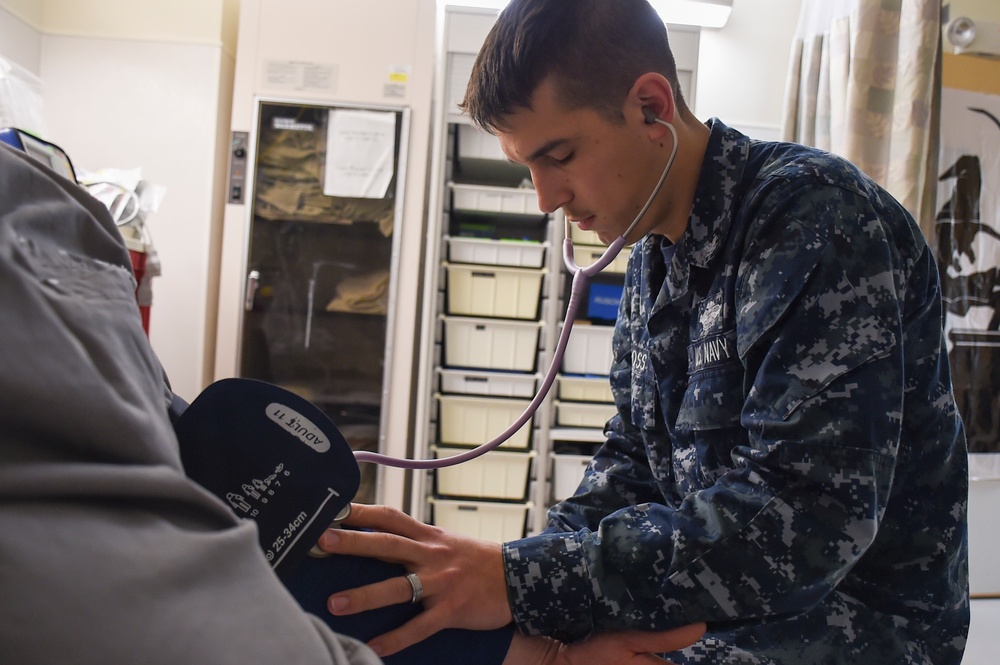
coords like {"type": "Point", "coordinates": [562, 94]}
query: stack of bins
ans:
{"type": "Point", "coordinates": [584, 401]}
{"type": "Point", "coordinates": [490, 329]}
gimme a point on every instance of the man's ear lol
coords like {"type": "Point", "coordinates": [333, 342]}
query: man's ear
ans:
{"type": "Point", "coordinates": [651, 96]}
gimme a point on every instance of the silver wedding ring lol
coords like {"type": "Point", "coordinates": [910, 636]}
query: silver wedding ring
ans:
{"type": "Point", "coordinates": [416, 586]}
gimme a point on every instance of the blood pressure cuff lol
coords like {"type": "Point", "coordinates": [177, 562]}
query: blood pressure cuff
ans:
{"type": "Point", "coordinates": [274, 457]}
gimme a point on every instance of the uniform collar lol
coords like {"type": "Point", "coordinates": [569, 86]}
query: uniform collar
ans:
{"type": "Point", "coordinates": [711, 213]}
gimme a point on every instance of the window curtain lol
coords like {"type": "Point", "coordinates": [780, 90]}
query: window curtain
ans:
{"type": "Point", "coordinates": [864, 82]}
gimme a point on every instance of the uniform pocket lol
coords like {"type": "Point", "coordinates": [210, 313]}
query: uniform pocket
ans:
{"type": "Point", "coordinates": [713, 400]}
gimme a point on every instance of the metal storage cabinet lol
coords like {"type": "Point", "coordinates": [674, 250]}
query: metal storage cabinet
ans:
{"type": "Point", "coordinates": [321, 268]}
{"type": "Point", "coordinates": [320, 293]}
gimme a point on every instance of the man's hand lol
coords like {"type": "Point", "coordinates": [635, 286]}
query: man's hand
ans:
{"type": "Point", "coordinates": [623, 648]}
{"type": "Point", "coordinates": [463, 578]}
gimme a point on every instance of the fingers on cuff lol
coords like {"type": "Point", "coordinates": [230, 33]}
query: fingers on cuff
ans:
{"type": "Point", "coordinates": [394, 591]}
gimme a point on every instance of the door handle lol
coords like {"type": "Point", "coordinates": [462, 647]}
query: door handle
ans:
{"type": "Point", "coordinates": [253, 279]}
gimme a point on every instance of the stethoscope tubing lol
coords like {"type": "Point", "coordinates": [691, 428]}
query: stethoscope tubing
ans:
{"type": "Point", "coordinates": [581, 278]}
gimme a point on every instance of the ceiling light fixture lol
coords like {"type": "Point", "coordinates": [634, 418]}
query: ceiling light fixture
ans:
{"type": "Point", "coordinates": [703, 13]}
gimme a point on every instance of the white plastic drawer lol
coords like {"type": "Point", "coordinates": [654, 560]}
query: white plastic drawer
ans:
{"type": "Point", "coordinates": [498, 522]}
{"type": "Point", "coordinates": [517, 253]}
{"type": "Point", "coordinates": [588, 350]}
{"type": "Point", "coordinates": [511, 293]}
{"type": "Point", "coordinates": [583, 414]}
{"type": "Point", "coordinates": [494, 384]}
{"type": "Point", "coordinates": [585, 255]}
{"type": "Point", "coordinates": [470, 421]}
{"type": "Point", "coordinates": [581, 237]}
{"type": "Point", "coordinates": [491, 344]}
{"type": "Point", "coordinates": [496, 475]}
{"type": "Point", "coordinates": [485, 198]}
{"type": "Point", "coordinates": [567, 472]}
{"type": "Point", "coordinates": [585, 389]}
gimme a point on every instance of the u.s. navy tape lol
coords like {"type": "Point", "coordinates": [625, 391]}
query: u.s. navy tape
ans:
{"type": "Point", "coordinates": [274, 457]}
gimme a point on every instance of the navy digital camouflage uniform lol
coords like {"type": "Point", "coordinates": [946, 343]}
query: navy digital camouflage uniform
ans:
{"type": "Point", "coordinates": [787, 463]}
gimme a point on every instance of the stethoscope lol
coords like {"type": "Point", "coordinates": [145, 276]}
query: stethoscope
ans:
{"type": "Point", "coordinates": [581, 277]}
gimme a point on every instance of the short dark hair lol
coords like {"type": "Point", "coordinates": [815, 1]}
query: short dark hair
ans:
{"type": "Point", "coordinates": [594, 49]}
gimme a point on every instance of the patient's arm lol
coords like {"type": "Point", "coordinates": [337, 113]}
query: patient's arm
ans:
{"type": "Point", "coordinates": [110, 553]}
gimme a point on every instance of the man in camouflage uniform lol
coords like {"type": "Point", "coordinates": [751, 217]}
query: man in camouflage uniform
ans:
{"type": "Point", "coordinates": [810, 502]}
{"type": "Point", "coordinates": [787, 463]}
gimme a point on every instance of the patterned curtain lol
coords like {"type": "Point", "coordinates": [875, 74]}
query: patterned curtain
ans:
{"type": "Point", "coordinates": [864, 82]}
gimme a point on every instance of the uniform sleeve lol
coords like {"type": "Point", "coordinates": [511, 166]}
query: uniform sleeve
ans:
{"type": "Point", "coordinates": [810, 458]}
{"type": "Point", "coordinates": [618, 477]}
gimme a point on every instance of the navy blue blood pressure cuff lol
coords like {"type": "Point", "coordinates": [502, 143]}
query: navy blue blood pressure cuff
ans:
{"type": "Point", "coordinates": [274, 457]}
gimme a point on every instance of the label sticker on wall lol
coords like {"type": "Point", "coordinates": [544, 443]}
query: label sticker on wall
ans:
{"type": "Point", "coordinates": [399, 77]}
{"type": "Point", "coordinates": [295, 75]}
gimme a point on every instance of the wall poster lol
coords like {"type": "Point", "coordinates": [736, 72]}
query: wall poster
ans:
{"type": "Point", "coordinates": [968, 250]}
{"type": "Point", "coordinates": [967, 241]}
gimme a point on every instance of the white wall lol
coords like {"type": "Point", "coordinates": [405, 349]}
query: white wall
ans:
{"type": "Point", "coordinates": [742, 67]}
{"type": "Point", "coordinates": [20, 41]}
{"type": "Point", "coordinates": [122, 103]}
{"type": "Point", "coordinates": [174, 21]}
